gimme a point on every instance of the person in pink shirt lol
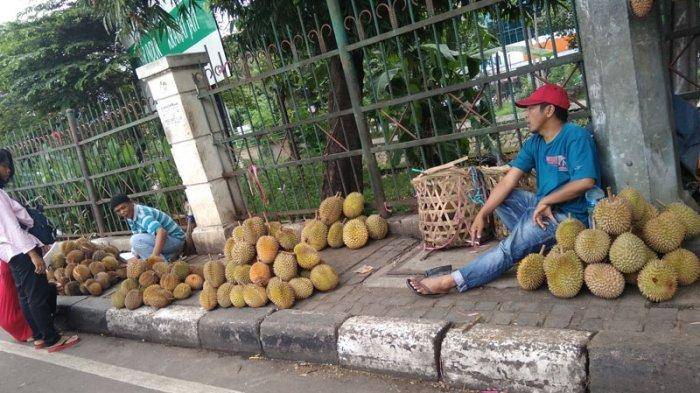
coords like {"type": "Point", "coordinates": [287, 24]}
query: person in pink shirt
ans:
{"type": "Point", "coordinates": [22, 251]}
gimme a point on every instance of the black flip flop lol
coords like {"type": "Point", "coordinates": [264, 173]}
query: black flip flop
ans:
{"type": "Point", "coordinates": [440, 270]}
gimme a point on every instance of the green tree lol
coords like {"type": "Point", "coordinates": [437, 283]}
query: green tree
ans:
{"type": "Point", "coordinates": [57, 56]}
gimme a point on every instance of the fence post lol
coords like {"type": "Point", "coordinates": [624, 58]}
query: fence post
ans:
{"type": "Point", "coordinates": [356, 100]}
{"type": "Point", "coordinates": [73, 126]}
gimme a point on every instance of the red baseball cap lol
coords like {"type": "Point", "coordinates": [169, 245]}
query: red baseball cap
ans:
{"type": "Point", "coordinates": [547, 94]}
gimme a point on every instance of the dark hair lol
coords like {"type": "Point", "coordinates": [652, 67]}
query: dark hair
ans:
{"type": "Point", "coordinates": [559, 112]}
{"type": "Point", "coordinates": [6, 159]}
{"type": "Point", "coordinates": [118, 200]}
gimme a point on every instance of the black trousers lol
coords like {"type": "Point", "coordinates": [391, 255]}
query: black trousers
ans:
{"type": "Point", "coordinates": [36, 297]}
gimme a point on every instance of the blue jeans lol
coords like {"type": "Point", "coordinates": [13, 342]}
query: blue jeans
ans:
{"type": "Point", "coordinates": [525, 237]}
{"type": "Point", "coordinates": [142, 245]}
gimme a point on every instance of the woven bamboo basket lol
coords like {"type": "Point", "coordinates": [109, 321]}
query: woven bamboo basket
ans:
{"type": "Point", "coordinates": [493, 175]}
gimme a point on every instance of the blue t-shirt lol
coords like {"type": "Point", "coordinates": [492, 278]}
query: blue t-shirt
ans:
{"type": "Point", "coordinates": [570, 156]}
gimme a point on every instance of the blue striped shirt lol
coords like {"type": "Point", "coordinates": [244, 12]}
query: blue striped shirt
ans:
{"type": "Point", "coordinates": [149, 220]}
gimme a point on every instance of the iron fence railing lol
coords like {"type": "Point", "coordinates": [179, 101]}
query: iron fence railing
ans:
{"type": "Point", "coordinates": [73, 162]}
{"type": "Point", "coordinates": [431, 81]}
{"type": "Point", "coordinates": [681, 29]}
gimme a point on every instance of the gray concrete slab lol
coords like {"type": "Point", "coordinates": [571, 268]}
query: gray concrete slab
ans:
{"type": "Point", "coordinates": [233, 330]}
{"type": "Point", "coordinates": [89, 315]}
{"type": "Point", "coordinates": [176, 325]}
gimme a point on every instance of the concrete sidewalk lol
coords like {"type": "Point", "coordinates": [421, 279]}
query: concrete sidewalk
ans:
{"type": "Point", "coordinates": [498, 336]}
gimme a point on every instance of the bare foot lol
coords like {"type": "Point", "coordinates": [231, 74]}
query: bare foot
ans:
{"type": "Point", "coordinates": [432, 285]}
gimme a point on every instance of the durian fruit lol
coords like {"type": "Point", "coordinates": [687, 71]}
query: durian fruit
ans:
{"type": "Point", "coordinates": [303, 287]}
{"type": "Point", "coordinates": [267, 248]}
{"type": "Point", "coordinates": [567, 231]}
{"type": "Point", "coordinates": [56, 274]}
{"type": "Point", "coordinates": [111, 263]}
{"type": "Point", "coordinates": [658, 281]}
{"type": "Point", "coordinates": [315, 234]}
{"type": "Point", "coordinates": [362, 218]}
{"type": "Point", "coordinates": [118, 299]}
{"type": "Point", "coordinates": [197, 269]}
{"type": "Point", "coordinates": [636, 201]}
{"type": "Point", "coordinates": [260, 273]}
{"type": "Point", "coordinates": [223, 295]}
{"type": "Point", "coordinates": [258, 225]}
{"type": "Point", "coordinates": [530, 272]}
{"type": "Point", "coordinates": [128, 285]}
{"type": "Point", "coordinates": [94, 288]}
{"type": "Point", "coordinates": [160, 268]}
{"type": "Point", "coordinates": [157, 297]}
{"type": "Point", "coordinates": [565, 275]}
{"type": "Point", "coordinates": [353, 205]}
{"type": "Point", "coordinates": [686, 265]}
{"type": "Point", "coordinates": [96, 267]}
{"type": "Point", "coordinates": [109, 249]}
{"type": "Point", "coordinates": [214, 273]}
{"type": "Point", "coordinates": [241, 274]}
{"type": "Point", "coordinates": [280, 293]}
{"type": "Point", "coordinates": [664, 233]}
{"type": "Point", "coordinates": [133, 299]}
{"type": "Point", "coordinates": [103, 279]}
{"type": "Point", "coordinates": [152, 260]}
{"type": "Point", "coordinates": [335, 235]}
{"type": "Point", "coordinates": [135, 268]}
{"type": "Point", "coordinates": [182, 291]}
{"type": "Point", "coordinates": [68, 246]}
{"type": "Point", "coordinates": [228, 271]}
{"type": "Point", "coordinates": [195, 281]}
{"type": "Point", "coordinates": [641, 8]}
{"type": "Point", "coordinates": [75, 256]}
{"type": "Point", "coordinates": [242, 253]}
{"type": "Point", "coordinates": [285, 266]}
{"type": "Point", "coordinates": [613, 215]}
{"type": "Point", "coordinates": [84, 290]}
{"type": "Point", "coordinates": [628, 253]}
{"type": "Point", "coordinates": [181, 269]}
{"type": "Point", "coordinates": [331, 209]}
{"type": "Point", "coordinates": [648, 213]}
{"type": "Point", "coordinates": [273, 228]}
{"type": "Point", "coordinates": [324, 277]}
{"type": "Point", "coordinates": [236, 296]}
{"type": "Point", "coordinates": [99, 255]}
{"type": "Point", "coordinates": [81, 273]}
{"type": "Point", "coordinates": [254, 295]}
{"type": "Point", "coordinates": [68, 271]}
{"type": "Point", "coordinates": [689, 217]}
{"type": "Point", "coordinates": [72, 288]}
{"type": "Point", "coordinates": [603, 280]}
{"type": "Point", "coordinates": [244, 233]}
{"type": "Point", "coordinates": [287, 238]}
{"type": "Point", "coordinates": [355, 234]}
{"type": "Point", "coordinates": [377, 227]}
{"type": "Point", "coordinates": [592, 245]}
{"type": "Point", "coordinates": [554, 252]}
{"type": "Point", "coordinates": [228, 246]}
{"type": "Point", "coordinates": [169, 281]}
{"type": "Point", "coordinates": [307, 256]}
{"type": "Point", "coordinates": [208, 298]}
{"type": "Point", "coordinates": [121, 272]}
{"type": "Point", "coordinates": [58, 260]}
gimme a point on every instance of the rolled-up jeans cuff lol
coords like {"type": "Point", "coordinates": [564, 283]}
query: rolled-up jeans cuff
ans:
{"type": "Point", "coordinates": [459, 280]}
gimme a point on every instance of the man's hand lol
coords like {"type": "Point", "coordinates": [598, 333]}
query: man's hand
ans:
{"type": "Point", "coordinates": [476, 229]}
{"type": "Point", "coordinates": [543, 215]}
{"type": "Point", "coordinates": [38, 261]}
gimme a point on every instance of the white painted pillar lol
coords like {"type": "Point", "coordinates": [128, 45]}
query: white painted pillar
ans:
{"type": "Point", "coordinates": [188, 125]}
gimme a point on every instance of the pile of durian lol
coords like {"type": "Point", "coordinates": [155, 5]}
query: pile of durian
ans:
{"type": "Point", "coordinates": [84, 268]}
{"type": "Point", "coordinates": [155, 283]}
{"type": "Point", "coordinates": [266, 262]}
{"type": "Point", "coordinates": [630, 243]}
{"type": "Point", "coordinates": [340, 222]}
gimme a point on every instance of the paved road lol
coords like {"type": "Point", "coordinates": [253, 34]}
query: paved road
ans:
{"type": "Point", "coordinates": [112, 365]}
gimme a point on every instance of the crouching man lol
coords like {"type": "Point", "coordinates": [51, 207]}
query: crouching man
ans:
{"type": "Point", "coordinates": [154, 232]}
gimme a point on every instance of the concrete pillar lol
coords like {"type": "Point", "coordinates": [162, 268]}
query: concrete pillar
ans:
{"type": "Point", "coordinates": [190, 128]}
{"type": "Point", "coordinates": [629, 97]}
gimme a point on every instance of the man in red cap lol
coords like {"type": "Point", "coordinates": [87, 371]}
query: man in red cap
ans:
{"type": "Point", "coordinates": [564, 157]}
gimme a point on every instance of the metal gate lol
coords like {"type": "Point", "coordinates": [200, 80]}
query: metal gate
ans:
{"type": "Point", "coordinates": [370, 93]}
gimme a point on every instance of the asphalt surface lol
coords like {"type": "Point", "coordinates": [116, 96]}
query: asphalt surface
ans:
{"type": "Point", "coordinates": [113, 365]}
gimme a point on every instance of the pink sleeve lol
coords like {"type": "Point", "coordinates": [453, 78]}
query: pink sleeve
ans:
{"type": "Point", "coordinates": [21, 213]}
{"type": "Point", "coordinates": [12, 233]}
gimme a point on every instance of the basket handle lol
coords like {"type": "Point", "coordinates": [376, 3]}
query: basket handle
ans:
{"type": "Point", "coordinates": [445, 166]}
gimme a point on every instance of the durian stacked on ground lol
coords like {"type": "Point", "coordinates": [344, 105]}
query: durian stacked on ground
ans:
{"type": "Point", "coordinates": [155, 283]}
{"type": "Point", "coordinates": [340, 222]}
{"type": "Point", "coordinates": [266, 262]}
{"type": "Point", "coordinates": [630, 243]}
{"type": "Point", "coordinates": [84, 268]}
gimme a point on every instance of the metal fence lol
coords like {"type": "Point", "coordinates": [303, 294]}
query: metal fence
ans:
{"type": "Point", "coordinates": [373, 92]}
{"type": "Point", "coordinates": [682, 47]}
{"type": "Point", "coordinates": [73, 162]}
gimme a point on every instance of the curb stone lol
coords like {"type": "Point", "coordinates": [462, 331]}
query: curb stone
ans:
{"type": "Point", "coordinates": [302, 335]}
{"type": "Point", "coordinates": [515, 359]}
{"type": "Point", "coordinates": [406, 347]}
{"type": "Point", "coordinates": [130, 323]}
{"type": "Point", "coordinates": [176, 325]}
{"type": "Point", "coordinates": [89, 315]}
{"type": "Point", "coordinates": [237, 332]}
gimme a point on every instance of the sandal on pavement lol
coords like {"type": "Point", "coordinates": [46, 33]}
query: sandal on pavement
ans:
{"type": "Point", "coordinates": [410, 286]}
{"type": "Point", "coordinates": [64, 342]}
{"type": "Point", "coordinates": [438, 271]}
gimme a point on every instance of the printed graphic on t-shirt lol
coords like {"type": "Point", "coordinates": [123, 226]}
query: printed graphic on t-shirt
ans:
{"type": "Point", "coordinates": [559, 162]}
